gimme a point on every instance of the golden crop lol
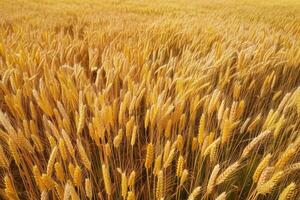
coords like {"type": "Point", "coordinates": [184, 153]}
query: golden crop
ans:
{"type": "Point", "coordinates": [149, 99]}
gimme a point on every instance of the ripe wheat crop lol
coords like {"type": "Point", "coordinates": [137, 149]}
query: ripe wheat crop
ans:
{"type": "Point", "coordinates": [140, 100]}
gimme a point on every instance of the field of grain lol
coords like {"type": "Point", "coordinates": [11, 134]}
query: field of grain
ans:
{"type": "Point", "coordinates": [140, 100]}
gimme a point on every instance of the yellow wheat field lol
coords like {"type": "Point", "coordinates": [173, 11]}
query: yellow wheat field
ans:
{"type": "Point", "coordinates": [154, 99]}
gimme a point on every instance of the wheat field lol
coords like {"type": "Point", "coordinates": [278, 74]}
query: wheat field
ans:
{"type": "Point", "coordinates": [140, 100]}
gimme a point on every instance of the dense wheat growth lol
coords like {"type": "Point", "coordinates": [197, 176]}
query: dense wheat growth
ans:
{"type": "Point", "coordinates": [196, 100]}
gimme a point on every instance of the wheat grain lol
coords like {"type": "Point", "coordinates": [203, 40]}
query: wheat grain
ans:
{"type": "Point", "coordinates": [254, 143]}
{"type": "Point", "coordinates": [179, 166]}
{"type": "Point", "coordinates": [288, 192]}
{"type": "Point", "coordinates": [131, 196]}
{"type": "Point", "coordinates": [285, 157]}
{"type": "Point", "coordinates": [149, 155]}
{"type": "Point", "coordinates": [88, 188]}
{"type": "Point", "coordinates": [268, 186]}
{"type": "Point", "coordinates": [157, 165]}
{"type": "Point", "coordinates": [106, 178]}
{"type": "Point", "coordinates": [83, 156]}
{"type": "Point", "coordinates": [194, 193]}
{"type": "Point", "coordinates": [160, 185]}
{"type": "Point", "coordinates": [184, 177]}
{"type": "Point", "coordinates": [124, 185]}
{"type": "Point", "coordinates": [14, 152]}
{"type": "Point", "coordinates": [170, 158]}
{"type": "Point", "coordinates": [131, 179]}
{"type": "Point", "coordinates": [47, 181]}
{"type": "Point", "coordinates": [212, 180]}
{"type": "Point", "coordinates": [51, 160]}
{"type": "Point", "coordinates": [3, 158]}
{"type": "Point", "coordinates": [201, 129]}
{"type": "Point", "coordinates": [222, 196]}
{"type": "Point", "coordinates": [261, 166]}
{"type": "Point", "coordinates": [68, 143]}
{"type": "Point", "coordinates": [77, 177]}
{"type": "Point", "coordinates": [229, 171]}
{"type": "Point", "coordinates": [59, 172]}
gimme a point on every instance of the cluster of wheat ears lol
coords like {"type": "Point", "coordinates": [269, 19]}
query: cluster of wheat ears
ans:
{"type": "Point", "coordinates": [149, 100]}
